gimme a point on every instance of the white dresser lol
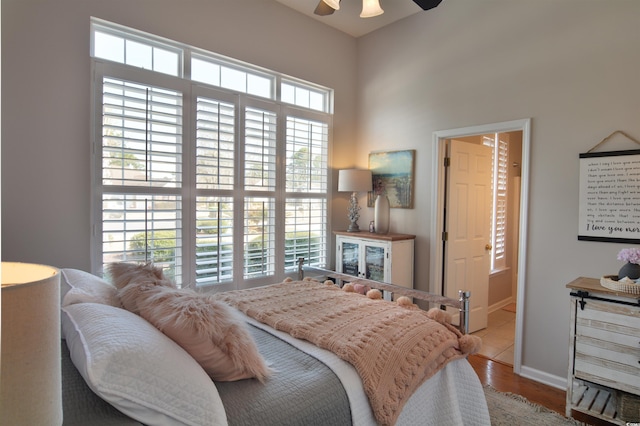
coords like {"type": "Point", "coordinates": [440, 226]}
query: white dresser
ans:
{"type": "Point", "coordinates": [604, 353]}
{"type": "Point", "coordinates": [378, 257]}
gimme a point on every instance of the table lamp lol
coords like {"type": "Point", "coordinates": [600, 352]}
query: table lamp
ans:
{"type": "Point", "coordinates": [30, 363]}
{"type": "Point", "coordinates": [354, 181]}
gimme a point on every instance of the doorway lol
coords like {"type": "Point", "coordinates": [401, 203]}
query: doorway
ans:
{"type": "Point", "coordinates": [438, 257]}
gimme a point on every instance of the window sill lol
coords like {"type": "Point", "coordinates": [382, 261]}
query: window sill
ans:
{"type": "Point", "coordinates": [499, 271]}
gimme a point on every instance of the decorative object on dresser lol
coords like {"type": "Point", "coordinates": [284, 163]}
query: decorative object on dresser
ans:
{"type": "Point", "coordinates": [604, 352]}
{"type": "Point", "coordinates": [381, 214]}
{"type": "Point", "coordinates": [631, 269]}
{"type": "Point", "coordinates": [385, 258]}
{"type": "Point", "coordinates": [628, 278]}
{"type": "Point", "coordinates": [354, 181]}
{"type": "Point", "coordinates": [30, 389]}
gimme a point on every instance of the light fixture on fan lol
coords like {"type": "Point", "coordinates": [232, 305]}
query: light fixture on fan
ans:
{"type": "Point", "coordinates": [370, 8]}
{"type": "Point", "coordinates": [333, 4]}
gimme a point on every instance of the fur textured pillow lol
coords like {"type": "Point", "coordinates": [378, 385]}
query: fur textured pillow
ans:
{"type": "Point", "coordinates": [142, 277]}
{"type": "Point", "coordinates": [209, 330]}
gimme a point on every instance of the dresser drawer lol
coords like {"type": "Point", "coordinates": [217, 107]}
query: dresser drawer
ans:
{"type": "Point", "coordinates": [607, 345]}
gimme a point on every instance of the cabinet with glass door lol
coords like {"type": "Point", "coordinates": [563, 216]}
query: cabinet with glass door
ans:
{"type": "Point", "coordinates": [386, 258]}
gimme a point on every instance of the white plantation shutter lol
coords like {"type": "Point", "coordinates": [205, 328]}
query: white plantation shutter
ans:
{"type": "Point", "coordinates": [499, 185]}
{"type": "Point", "coordinates": [260, 150]}
{"type": "Point", "coordinates": [215, 144]}
{"type": "Point", "coordinates": [259, 237]}
{"type": "Point", "coordinates": [306, 155]}
{"type": "Point", "coordinates": [500, 206]}
{"type": "Point", "coordinates": [306, 176]}
{"type": "Point", "coordinates": [143, 228]}
{"type": "Point", "coordinates": [142, 131]}
{"type": "Point", "coordinates": [214, 240]}
{"type": "Point", "coordinates": [141, 150]}
{"type": "Point", "coordinates": [305, 223]}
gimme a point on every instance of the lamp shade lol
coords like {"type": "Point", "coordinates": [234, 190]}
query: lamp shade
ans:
{"type": "Point", "coordinates": [371, 8]}
{"type": "Point", "coordinates": [30, 366]}
{"type": "Point", "coordinates": [354, 180]}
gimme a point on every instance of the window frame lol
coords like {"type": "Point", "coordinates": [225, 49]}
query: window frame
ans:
{"type": "Point", "coordinates": [190, 90]}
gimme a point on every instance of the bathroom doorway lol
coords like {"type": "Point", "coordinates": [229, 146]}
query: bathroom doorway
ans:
{"type": "Point", "coordinates": [506, 280]}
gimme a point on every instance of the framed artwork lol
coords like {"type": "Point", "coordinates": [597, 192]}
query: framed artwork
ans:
{"type": "Point", "coordinates": [392, 174]}
{"type": "Point", "coordinates": [610, 197]}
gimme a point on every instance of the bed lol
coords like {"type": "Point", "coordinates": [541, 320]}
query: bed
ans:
{"type": "Point", "coordinates": [120, 369]}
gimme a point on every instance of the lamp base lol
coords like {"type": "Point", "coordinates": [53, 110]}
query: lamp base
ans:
{"type": "Point", "coordinates": [353, 227]}
{"type": "Point", "coordinates": [354, 213]}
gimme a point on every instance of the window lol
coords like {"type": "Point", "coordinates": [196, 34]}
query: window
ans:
{"type": "Point", "coordinates": [203, 169]}
{"type": "Point", "coordinates": [142, 52]}
{"type": "Point", "coordinates": [500, 176]}
{"type": "Point", "coordinates": [218, 73]}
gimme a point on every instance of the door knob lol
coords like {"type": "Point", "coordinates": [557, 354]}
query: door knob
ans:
{"type": "Point", "coordinates": [488, 247]}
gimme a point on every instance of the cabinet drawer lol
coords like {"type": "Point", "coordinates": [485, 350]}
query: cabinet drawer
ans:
{"type": "Point", "coordinates": [607, 345]}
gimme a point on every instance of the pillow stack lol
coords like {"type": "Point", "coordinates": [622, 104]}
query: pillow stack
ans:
{"type": "Point", "coordinates": [154, 359]}
{"type": "Point", "coordinates": [129, 363]}
{"type": "Point", "coordinates": [144, 374]}
{"type": "Point", "coordinates": [209, 330]}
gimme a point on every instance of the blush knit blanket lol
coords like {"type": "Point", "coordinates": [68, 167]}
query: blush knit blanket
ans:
{"type": "Point", "coordinates": [393, 348]}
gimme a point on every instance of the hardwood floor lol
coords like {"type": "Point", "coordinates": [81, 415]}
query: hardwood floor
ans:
{"type": "Point", "coordinates": [502, 378]}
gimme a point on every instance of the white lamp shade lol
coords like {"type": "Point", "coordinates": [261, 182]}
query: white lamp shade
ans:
{"type": "Point", "coordinates": [371, 8]}
{"type": "Point", "coordinates": [30, 363]}
{"type": "Point", "coordinates": [354, 180]}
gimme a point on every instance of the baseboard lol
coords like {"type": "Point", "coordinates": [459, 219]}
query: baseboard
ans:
{"type": "Point", "coordinates": [501, 304]}
{"type": "Point", "coordinates": [545, 378]}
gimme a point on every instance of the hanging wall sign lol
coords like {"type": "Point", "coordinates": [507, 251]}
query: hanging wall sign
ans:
{"type": "Point", "coordinates": [610, 197]}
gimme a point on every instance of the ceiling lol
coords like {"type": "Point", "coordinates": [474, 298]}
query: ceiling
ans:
{"type": "Point", "coordinates": [348, 19]}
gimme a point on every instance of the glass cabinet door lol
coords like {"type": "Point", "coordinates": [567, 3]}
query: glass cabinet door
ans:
{"type": "Point", "coordinates": [374, 263]}
{"type": "Point", "coordinates": [350, 258]}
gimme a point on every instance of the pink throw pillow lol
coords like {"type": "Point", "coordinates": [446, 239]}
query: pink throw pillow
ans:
{"type": "Point", "coordinates": [141, 276]}
{"type": "Point", "coordinates": [209, 330]}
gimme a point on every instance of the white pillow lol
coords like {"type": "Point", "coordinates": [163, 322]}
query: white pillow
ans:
{"type": "Point", "coordinates": [137, 369]}
{"type": "Point", "coordinates": [78, 286]}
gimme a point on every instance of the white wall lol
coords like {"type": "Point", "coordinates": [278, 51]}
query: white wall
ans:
{"type": "Point", "coordinates": [45, 94]}
{"type": "Point", "coordinates": [571, 66]}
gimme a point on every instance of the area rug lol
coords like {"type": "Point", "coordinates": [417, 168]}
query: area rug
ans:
{"type": "Point", "coordinates": [511, 409]}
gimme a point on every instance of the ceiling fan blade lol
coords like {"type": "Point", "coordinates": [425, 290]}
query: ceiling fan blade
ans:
{"type": "Point", "coordinates": [323, 9]}
{"type": "Point", "coordinates": [426, 4]}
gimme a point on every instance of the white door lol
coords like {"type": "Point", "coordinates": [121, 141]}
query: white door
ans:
{"type": "Point", "coordinates": [468, 226]}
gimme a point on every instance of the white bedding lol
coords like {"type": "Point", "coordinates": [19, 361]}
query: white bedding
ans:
{"type": "Point", "coordinates": [453, 396]}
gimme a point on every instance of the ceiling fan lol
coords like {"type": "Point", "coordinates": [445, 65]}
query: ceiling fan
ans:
{"type": "Point", "coordinates": [369, 7]}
